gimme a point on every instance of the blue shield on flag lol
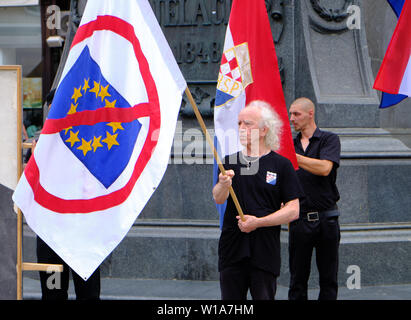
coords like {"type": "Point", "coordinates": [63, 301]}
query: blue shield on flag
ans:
{"type": "Point", "coordinates": [104, 148]}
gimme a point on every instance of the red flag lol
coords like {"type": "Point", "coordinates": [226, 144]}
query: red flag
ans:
{"type": "Point", "coordinates": [260, 77]}
{"type": "Point", "coordinates": [394, 76]}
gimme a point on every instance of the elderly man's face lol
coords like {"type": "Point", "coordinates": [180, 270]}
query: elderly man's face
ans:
{"type": "Point", "coordinates": [249, 126]}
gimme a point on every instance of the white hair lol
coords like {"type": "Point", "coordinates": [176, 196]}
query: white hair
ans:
{"type": "Point", "coordinates": [270, 120]}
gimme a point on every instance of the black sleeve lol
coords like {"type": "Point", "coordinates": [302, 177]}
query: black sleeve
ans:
{"type": "Point", "coordinates": [331, 149]}
{"type": "Point", "coordinates": [290, 187]}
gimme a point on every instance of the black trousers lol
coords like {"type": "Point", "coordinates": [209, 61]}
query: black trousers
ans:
{"type": "Point", "coordinates": [304, 236]}
{"type": "Point", "coordinates": [236, 280]}
{"type": "Point", "coordinates": [54, 286]}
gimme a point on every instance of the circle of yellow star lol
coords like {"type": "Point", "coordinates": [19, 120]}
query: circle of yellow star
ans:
{"type": "Point", "coordinates": [110, 104]}
{"type": "Point", "coordinates": [86, 86]}
{"type": "Point", "coordinates": [103, 92]}
{"type": "Point", "coordinates": [95, 89]}
{"type": "Point", "coordinates": [96, 143]}
{"type": "Point", "coordinates": [73, 109]}
{"type": "Point", "coordinates": [111, 140]}
{"type": "Point", "coordinates": [85, 146]}
{"type": "Point", "coordinates": [77, 94]}
{"type": "Point", "coordinates": [73, 138]}
{"type": "Point", "coordinates": [115, 126]}
{"type": "Point", "coordinates": [67, 129]}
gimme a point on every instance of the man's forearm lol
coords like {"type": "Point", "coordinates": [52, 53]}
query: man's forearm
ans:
{"type": "Point", "coordinates": [315, 166]}
{"type": "Point", "coordinates": [286, 214]}
{"type": "Point", "coordinates": [289, 212]}
{"type": "Point", "coordinates": [220, 193]}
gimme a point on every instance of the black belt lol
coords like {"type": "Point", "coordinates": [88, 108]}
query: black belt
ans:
{"type": "Point", "coordinates": [315, 215]}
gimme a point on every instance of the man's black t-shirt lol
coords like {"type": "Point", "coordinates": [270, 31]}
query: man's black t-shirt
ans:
{"type": "Point", "coordinates": [321, 193]}
{"type": "Point", "coordinates": [274, 182]}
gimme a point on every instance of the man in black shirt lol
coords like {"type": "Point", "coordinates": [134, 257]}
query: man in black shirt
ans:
{"type": "Point", "coordinates": [249, 249]}
{"type": "Point", "coordinates": [318, 156]}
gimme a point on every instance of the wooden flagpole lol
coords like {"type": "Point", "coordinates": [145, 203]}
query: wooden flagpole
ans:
{"type": "Point", "coordinates": [20, 265]}
{"type": "Point", "coordinates": [211, 144]}
{"type": "Point", "coordinates": [19, 262]}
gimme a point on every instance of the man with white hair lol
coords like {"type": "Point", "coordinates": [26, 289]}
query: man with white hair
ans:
{"type": "Point", "coordinates": [249, 249]}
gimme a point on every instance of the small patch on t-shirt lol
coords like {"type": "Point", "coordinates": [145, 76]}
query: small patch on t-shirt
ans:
{"type": "Point", "coordinates": [271, 178]}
